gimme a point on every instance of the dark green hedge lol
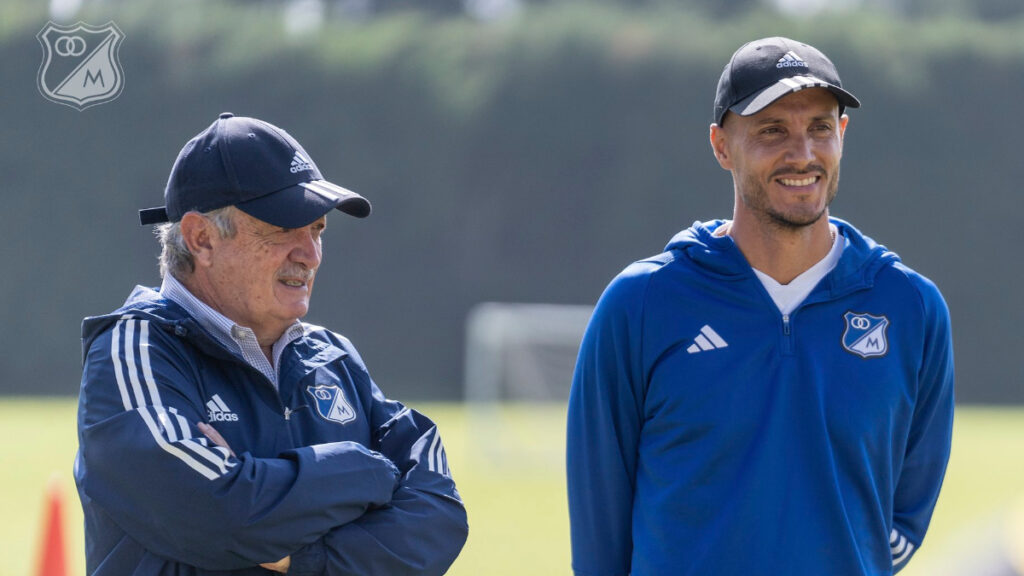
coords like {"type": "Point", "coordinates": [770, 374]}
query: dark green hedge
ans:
{"type": "Point", "coordinates": [523, 160]}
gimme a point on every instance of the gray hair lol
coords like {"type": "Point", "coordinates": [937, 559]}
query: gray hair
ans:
{"type": "Point", "coordinates": [175, 259]}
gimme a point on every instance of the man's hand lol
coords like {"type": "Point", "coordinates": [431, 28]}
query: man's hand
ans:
{"type": "Point", "coordinates": [215, 437]}
{"type": "Point", "coordinates": [281, 565]}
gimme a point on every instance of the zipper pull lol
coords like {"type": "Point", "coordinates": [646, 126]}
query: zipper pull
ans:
{"type": "Point", "coordinates": [287, 413]}
{"type": "Point", "coordinates": [785, 324]}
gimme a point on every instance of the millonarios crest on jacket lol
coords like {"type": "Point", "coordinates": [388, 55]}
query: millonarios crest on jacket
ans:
{"type": "Point", "coordinates": [331, 403]}
{"type": "Point", "coordinates": [865, 334]}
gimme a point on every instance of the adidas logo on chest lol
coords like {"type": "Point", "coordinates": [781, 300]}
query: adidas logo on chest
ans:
{"type": "Point", "coordinates": [706, 341]}
{"type": "Point", "coordinates": [218, 411]}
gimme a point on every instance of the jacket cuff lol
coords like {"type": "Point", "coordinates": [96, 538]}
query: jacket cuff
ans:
{"type": "Point", "coordinates": [901, 548]}
{"type": "Point", "coordinates": [309, 560]}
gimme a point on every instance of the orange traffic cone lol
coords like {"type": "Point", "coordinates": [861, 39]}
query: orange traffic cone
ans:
{"type": "Point", "coordinates": [52, 560]}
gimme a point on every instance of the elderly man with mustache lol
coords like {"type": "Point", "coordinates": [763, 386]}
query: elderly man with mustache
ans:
{"type": "Point", "coordinates": [218, 433]}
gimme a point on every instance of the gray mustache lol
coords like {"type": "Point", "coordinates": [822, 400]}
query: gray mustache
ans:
{"type": "Point", "coordinates": [304, 274]}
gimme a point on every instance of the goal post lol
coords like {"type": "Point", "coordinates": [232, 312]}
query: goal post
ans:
{"type": "Point", "coordinates": [522, 352]}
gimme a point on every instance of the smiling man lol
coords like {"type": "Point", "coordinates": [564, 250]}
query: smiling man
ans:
{"type": "Point", "coordinates": [219, 434]}
{"type": "Point", "coordinates": [772, 394]}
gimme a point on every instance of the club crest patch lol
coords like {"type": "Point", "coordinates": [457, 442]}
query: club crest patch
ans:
{"type": "Point", "coordinates": [865, 334]}
{"type": "Point", "coordinates": [331, 403]}
{"type": "Point", "coordinates": [81, 66]}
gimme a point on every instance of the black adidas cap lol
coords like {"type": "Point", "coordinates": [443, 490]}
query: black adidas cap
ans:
{"type": "Point", "coordinates": [256, 167]}
{"type": "Point", "coordinates": [763, 71]}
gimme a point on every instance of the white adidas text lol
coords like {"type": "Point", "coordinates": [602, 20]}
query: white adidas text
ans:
{"type": "Point", "coordinates": [221, 417]}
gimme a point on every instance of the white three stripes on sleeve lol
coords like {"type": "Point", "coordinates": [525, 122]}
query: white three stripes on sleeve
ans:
{"type": "Point", "coordinates": [437, 459]}
{"type": "Point", "coordinates": [900, 547]}
{"type": "Point", "coordinates": [169, 429]}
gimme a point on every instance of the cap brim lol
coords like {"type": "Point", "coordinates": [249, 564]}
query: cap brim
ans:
{"type": "Point", "coordinates": [156, 215]}
{"type": "Point", "coordinates": [760, 100]}
{"type": "Point", "coordinates": [302, 204]}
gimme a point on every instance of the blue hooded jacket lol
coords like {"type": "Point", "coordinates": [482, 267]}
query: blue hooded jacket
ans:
{"type": "Point", "coordinates": [710, 434]}
{"type": "Point", "coordinates": [324, 469]}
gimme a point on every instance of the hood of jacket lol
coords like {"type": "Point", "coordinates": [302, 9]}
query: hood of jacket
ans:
{"type": "Point", "coordinates": [149, 304]}
{"type": "Point", "coordinates": [719, 256]}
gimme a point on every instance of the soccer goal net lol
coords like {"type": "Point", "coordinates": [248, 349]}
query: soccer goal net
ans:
{"type": "Point", "coordinates": [522, 352]}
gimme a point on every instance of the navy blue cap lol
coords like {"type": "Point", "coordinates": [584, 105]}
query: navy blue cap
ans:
{"type": "Point", "coordinates": [256, 167]}
{"type": "Point", "coordinates": [764, 70]}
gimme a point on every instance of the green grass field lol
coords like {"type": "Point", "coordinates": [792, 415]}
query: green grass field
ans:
{"type": "Point", "coordinates": [508, 463]}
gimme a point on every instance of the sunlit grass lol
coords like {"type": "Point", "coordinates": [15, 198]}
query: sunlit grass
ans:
{"type": "Point", "coordinates": [508, 463]}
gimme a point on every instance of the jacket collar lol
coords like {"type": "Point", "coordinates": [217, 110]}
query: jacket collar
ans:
{"type": "Point", "coordinates": [719, 256]}
{"type": "Point", "coordinates": [147, 303]}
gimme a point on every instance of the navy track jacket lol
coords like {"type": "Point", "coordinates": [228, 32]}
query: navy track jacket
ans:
{"type": "Point", "coordinates": [325, 470]}
{"type": "Point", "coordinates": [710, 434]}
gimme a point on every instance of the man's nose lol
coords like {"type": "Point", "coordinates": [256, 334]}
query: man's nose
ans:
{"type": "Point", "coordinates": [307, 249]}
{"type": "Point", "coordinates": [800, 150]}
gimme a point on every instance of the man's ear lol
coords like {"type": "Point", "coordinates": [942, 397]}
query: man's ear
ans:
{"type": "Point", "coordinates": [718, 140]}
{"type": "Point", "coordinates": [198, 234]}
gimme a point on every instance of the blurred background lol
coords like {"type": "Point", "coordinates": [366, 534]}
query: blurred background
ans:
{"type": "Point", "coordinates": [516, 152]}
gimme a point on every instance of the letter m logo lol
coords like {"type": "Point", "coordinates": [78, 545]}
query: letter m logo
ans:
{"type": "Point", "coordinates": [90, 79]}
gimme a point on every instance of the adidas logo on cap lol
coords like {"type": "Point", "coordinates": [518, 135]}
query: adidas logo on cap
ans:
{"type": "Point", "coordinates": [300, 163]}
{"type": "Point", "coordinates": [791, 60]}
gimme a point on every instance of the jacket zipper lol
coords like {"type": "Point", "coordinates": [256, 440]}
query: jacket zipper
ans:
{"type": "Point", "coordinates": [787, 335]}
{"type": "Point", "coordinates": [287, 412]}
